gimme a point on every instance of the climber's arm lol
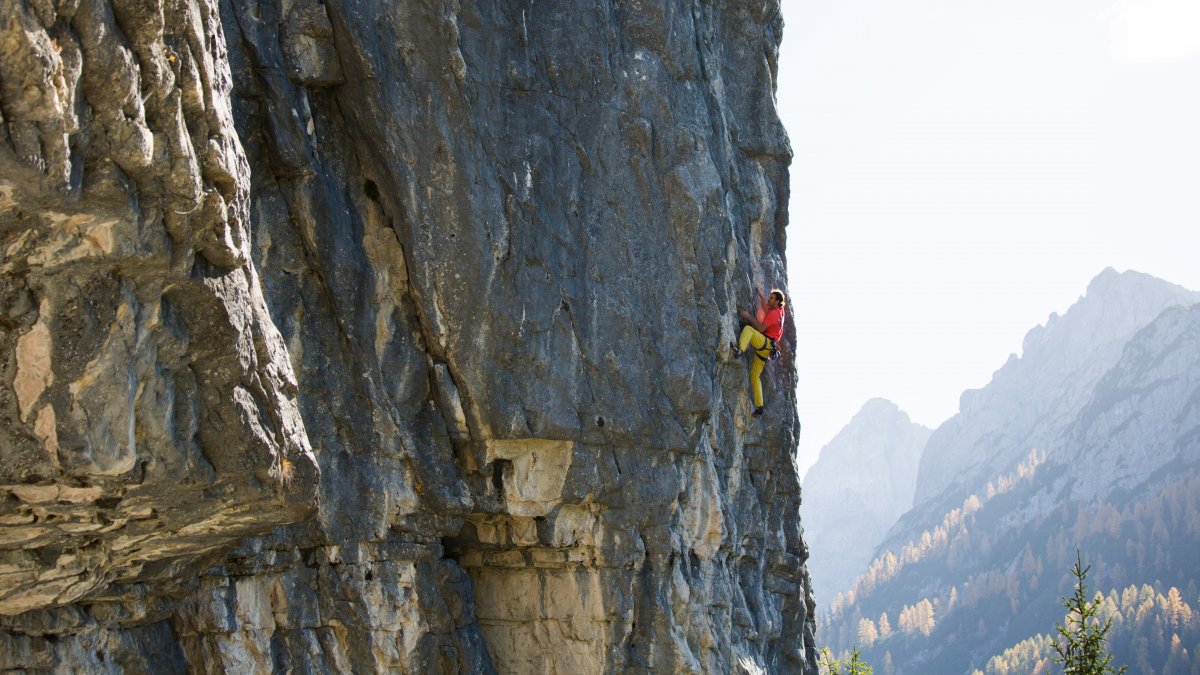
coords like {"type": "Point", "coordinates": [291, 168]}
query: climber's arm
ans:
{"type": "Point", "coordinates": [749, 318]}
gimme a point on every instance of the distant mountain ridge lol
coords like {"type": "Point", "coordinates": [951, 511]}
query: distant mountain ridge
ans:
{"type": "Point", "coordinates": [1033, 397]}
{"type": "Point", "coordinates": [862, 481]}
{"type": "Point", "coordinates": [1090, 439]}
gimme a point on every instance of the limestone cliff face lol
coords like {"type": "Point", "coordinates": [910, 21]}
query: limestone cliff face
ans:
{"type": "Point", "coordinates": [363, 337]}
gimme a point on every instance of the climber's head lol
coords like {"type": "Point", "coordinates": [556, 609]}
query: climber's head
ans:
{"type": "Point", "coordinates": [777, 298]}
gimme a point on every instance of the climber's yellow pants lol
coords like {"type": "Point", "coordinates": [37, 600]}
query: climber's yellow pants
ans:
{"type": "Point", "coordinates": [762, 347]}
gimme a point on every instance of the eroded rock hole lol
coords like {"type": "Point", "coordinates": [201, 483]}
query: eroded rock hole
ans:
{"type": "Point", "coordinates": [372, 190]}
{"type": "Point", "coordinates": [498, 468]}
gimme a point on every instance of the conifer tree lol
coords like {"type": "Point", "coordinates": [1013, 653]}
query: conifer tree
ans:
{"type": "Point", "coordinates": [854, 665]}
{"type": "Point", "coordinates": [1082, 647]}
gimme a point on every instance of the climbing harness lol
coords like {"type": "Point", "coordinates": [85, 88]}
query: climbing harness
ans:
{"type": "Point", "coordinates": [771, 348]}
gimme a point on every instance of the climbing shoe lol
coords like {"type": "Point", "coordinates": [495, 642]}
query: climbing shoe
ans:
{"type": "Point", "coordinates": [733, 349]}
{"type": "Point", "coordinates": [758, 411]}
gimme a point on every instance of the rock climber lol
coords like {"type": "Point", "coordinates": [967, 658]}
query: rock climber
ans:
{"type": "Point", "coordinates": [760, 332]}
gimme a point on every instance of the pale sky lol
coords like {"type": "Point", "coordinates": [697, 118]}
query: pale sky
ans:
{"type": "Point", "coordinates": [963, 169]}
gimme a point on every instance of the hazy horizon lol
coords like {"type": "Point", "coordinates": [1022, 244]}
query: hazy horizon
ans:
{"type": "Point", "coordinates": [963, 172]}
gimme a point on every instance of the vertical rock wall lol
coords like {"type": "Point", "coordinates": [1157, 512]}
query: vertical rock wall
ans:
{"type": "Point", "coordinates": [389, 336]}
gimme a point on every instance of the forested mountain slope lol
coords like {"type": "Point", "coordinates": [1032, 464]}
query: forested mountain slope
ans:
{"type": "Point", "coordinates": [1109, 463]}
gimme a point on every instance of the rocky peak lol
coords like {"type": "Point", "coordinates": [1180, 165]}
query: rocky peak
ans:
{"type": "Point", "coordinates": [1034, 397]}
{"type": "Point", "coordinates": [860, 485]}
{"type": "Point", "coordinates": [1142, 419]}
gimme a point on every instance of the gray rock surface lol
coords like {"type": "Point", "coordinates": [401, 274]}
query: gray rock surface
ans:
{"type": "Point", "coordinates": [150, 411]}
{"type": "Point", "coordinates": [340, 337]}
{"type": "Point", "coordinates": [861, 484]}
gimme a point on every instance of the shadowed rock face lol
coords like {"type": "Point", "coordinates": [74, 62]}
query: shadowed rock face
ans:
{"type": "Point", "coordinates": [355, 337]}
